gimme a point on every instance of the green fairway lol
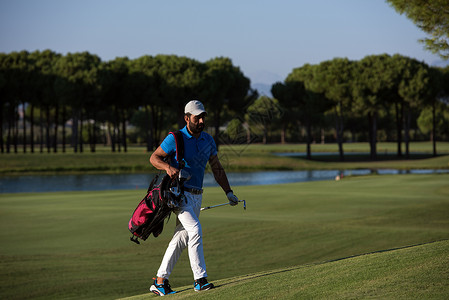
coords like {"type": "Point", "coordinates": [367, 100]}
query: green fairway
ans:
{"type": "Point", "coordinates": [417, 272]}
{"type": "Point", "coordinates": [76, 245]}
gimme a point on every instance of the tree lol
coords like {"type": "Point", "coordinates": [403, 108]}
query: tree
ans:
{"type": "Point", "coordinates": [2, 102]}
{"type": "Point", "coordinates": [306, 91]}
{"type": "Point", "coordinates": [431, 121]}
{"type": "Point", "coordinates": [180, 80]}
{"type": "Point", "coordinates": [262, 113]}
{"type": "Point", "coordinates": [44, 94]}
{"type": "Point", "coordinates": [116, 94]}
{"type": "Point", "coordinates": [334, 79]}
{"type": "Point", "coordinates": [373, 86]}
{"type": "Point", "coordinates": [3, 95]}
{"type": "Point", "coordinates": [145, 83]}
{"type": "Point", "coordinates": [413, 88]}
{"type": "Point", "coordinates": [435, 91]}
{"type": "Point", "coordinates": [399, 63]}
{"type": "Point", "coordinates": [234, 129]}
{"type": "Point", "coordinates": [17, 73]}
{"type": "Point", "coordinates": [290, 96]}
{"type": "Point", "coordinates": [77, 84]}
{"type": "Point", "coordinates": [223, 86]}
{"type": "Point", "coordinates": [432, 16]}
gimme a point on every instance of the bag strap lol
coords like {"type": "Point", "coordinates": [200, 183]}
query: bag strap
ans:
{"type": "Point", "coordinates": [153, 182]}
{"type": "Point", "coordinates": [179, 140]}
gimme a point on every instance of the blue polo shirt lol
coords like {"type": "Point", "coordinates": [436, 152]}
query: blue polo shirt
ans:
{"type": "Point", "coordinates": [197, 152]}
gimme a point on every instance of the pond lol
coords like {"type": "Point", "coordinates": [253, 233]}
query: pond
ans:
{"type": "Point", "coordinates": [99, 182]}
{"type": "Point", "coordinates": [336, 154]}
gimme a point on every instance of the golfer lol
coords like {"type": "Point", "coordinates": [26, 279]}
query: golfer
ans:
{"type": "Point", "coordinates": [199, 148]}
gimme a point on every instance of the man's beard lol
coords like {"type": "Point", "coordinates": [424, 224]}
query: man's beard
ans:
{"type": "Point", "coordinates": [196, 128]}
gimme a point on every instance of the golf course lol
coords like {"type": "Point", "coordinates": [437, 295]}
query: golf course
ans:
{"type": "Point", "coordinates": [362, 237]}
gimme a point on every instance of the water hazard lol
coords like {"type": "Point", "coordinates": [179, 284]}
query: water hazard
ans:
{"type": "Point", "coordinates": [100, 182]}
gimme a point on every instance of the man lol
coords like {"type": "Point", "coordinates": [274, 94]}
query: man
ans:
{"type": "Point", "coordinates": [199, 148]}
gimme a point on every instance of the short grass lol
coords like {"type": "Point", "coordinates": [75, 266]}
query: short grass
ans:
{"type": "Point", "coordinates": [234, 157]}
{"type": "Point", "coordinates": [76, 244]}
{"type": "Point", "coordinates": [417, 272]}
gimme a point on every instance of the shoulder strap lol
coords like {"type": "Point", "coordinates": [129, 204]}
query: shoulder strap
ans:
{"type": "Point", "coordinates": [179, 140]}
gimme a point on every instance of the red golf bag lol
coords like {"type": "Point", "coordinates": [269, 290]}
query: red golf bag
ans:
{"type": "Point", "coordinates": [161, 199]}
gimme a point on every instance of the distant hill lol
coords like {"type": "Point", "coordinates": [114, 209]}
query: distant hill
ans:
{"type": "Point", "coordinates": [262, 80]}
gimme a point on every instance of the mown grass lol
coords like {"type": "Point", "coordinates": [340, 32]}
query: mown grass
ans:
{"type": "Point", "coordinates": [76, 244]}
{"type": "Point", "coordinates": [417, 272]}
{"type": "Point", "coordinates": [234, 157]}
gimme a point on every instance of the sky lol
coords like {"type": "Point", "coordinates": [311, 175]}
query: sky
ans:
{"type": "Point", "coordinates": [267, 39]}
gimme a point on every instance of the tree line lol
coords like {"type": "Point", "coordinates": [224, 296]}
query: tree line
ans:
{"type": "Point", "coordinates": [45, 90]}
{"type": "Point", "coordinates": [42, 92]}
{"type": "Point", "coordinates": [366, 95]}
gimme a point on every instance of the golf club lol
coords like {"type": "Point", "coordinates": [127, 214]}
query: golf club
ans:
{"type": "Point", "coordinates": [213, 206]}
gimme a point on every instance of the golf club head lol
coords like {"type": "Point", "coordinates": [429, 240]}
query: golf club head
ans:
{"type": "Point", "coordinates": [175, 191]}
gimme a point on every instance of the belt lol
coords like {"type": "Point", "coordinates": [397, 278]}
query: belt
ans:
{"type": "Point", "coordinates": [193, 191]}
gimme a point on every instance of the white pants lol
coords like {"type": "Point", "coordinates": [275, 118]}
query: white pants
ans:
{"type": "Point", "coordinates": [187, 233]}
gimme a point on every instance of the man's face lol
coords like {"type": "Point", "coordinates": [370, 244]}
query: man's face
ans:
{"type": "Point", "coordinates": [196, 123]}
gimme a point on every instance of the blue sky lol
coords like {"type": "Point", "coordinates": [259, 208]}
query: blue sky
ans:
{"type": "Point", "coordinates": [266, 39]}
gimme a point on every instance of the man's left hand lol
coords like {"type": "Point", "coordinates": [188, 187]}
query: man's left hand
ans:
{"type": "Point", "coordinates": [233, 200]}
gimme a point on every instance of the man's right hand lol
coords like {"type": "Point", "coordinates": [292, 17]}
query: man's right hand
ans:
{"type": "Point", "coordinates": [172, 171]}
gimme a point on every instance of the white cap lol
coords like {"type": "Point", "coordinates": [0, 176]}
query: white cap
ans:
{"type": "Point", "coordinates": [195, 108]}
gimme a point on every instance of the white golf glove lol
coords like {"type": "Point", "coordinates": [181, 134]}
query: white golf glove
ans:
{"type": "Point", "coordinates": [233, 200]}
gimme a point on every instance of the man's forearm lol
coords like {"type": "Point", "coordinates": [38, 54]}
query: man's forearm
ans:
{"type": "Point", "coordinates": [222, 180]}
{"type": "Point", "coordinates": [157, 160]}
{"type": "Point", "coordinates": [220, 175]}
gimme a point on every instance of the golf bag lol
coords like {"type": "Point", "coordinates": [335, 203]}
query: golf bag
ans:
{"type": "Point", "coordinates": [161, 199]}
